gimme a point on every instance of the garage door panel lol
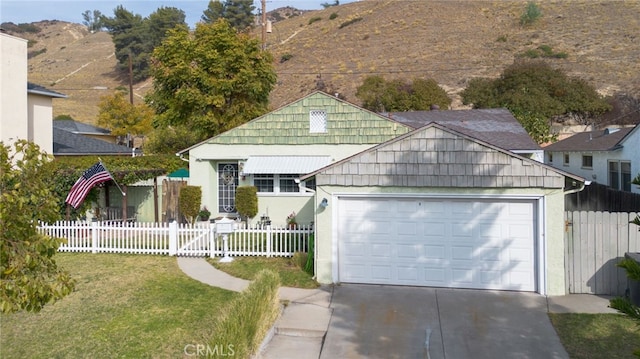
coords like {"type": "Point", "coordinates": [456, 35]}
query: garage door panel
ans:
{"type": "Point", "coordinates": [450, 243]}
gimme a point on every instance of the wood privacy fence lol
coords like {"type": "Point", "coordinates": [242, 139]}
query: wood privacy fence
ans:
{"type": "Point", "coordinates": [174, 239]}
{"type": "Point", "coordinates": [595, 242]}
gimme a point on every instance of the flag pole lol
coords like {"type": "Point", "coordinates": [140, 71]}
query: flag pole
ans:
{"type": "Point", "coordinates": [124, 194]}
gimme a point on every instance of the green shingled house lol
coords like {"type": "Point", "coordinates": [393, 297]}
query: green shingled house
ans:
{"type": "Point", "coordinates": [445, 198]}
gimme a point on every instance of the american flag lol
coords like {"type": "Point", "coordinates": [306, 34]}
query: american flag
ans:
{"type": "Point", "coordinates": [91, 177]}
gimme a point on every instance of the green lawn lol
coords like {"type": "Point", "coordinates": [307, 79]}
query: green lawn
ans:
{"type": "Point", "coordinates": [124, 306]}
{"type": "Point", "coordinates": [597, 335]}
{"type": "Point", "coordinates": [291, 275]}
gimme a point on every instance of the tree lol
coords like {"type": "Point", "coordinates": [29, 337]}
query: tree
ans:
{"type": "Point", "coordinates": [210, 81]}
{"type": "Point", "coordinates": [30, 277]}
{"type": "Point", "coordinates": [169, 140]}
{"type": "Point", "coordinates": [379, 95]}
{"type": "Point", "coordinates": [117, 114]}
{"type": "Point", "coordinates": [239, 13]}
{"type": "Point", "coordinates": [328, 5]}
{"type": "Point", "coordinates": [135, 37]}
{"type": "Point", "coordinates": [536, 93]}
{"type": "Point", "coordinates": [92, 20]}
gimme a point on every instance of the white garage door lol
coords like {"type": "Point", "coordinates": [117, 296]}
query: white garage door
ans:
{"type": "Point", "coordinates": [460, 243]}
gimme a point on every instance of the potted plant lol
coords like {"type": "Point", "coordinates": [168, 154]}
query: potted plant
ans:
{"type": "Point", "coordinates": [204, 214]}
{"type": "Point", "coordinates": [291, 220]}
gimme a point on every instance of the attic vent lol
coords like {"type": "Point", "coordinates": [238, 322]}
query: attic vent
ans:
{"type": "Point", "coordinates": [609, 131]}
{"type": "Point", "coordinates": [317, 121]}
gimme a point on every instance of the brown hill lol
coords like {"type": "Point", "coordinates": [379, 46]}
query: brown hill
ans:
{"type": "Point", "coordinates": [449, 41]}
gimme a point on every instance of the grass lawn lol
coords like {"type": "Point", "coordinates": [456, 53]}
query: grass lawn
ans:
{"type": "Point", "coordinates": [597, 335]}
{"type": "Point", "coordinates": [290, 274]}
{"type": "Point", "coordinates": [124, 306]}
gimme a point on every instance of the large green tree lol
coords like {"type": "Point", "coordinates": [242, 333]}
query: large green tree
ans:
{"type": "Point", "coordinates": [211, 80]}
{"type": "Point", "coordinates": [29, 275]}
{"type": "Point", "coordinates": [380, 95]}
{"type": "Point", "coordinates": [117, 114]}
{"type": "Point", "coordinates": [135, 37]}
{"type": "Point", "coordinates": [535, 93]}
{"type": "Point", "coordinates": [239, 13]}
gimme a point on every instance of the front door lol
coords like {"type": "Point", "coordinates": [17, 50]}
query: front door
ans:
{"type": "Point", "coordinates": [227, 183]}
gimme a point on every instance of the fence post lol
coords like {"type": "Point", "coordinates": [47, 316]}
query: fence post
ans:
{"type": "Point", "coordinates": [94, 237]}
{"type": "Point", "coordinates": [173, 238]}
{"type": "Point", "coordinates": [269, 239]}
{"type": "Point", "coordinates": [212, 239]}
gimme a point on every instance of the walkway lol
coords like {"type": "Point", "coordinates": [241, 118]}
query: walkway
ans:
{"type": "Point", "coordinates": [303, 324]}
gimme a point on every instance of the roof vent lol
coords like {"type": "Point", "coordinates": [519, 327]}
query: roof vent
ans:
{"type": "Point", "coordinates": [609, 131]}
{"type": "Point", "coordinates": [435, 107]}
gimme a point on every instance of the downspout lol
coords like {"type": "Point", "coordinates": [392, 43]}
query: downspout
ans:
{"type": "Point", "coordinates": [575, 190]}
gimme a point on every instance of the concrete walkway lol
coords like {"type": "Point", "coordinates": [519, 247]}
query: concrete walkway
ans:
{"type": "Point", "coordinates": [301, 329]}
{"type": "Point", "coordinates": [302, 325]}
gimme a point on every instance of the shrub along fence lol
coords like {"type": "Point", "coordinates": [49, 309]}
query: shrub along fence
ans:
{"type": "Point", "coordinates": [595, 242]}
{"type": "Point", "coordinates": [174, 239]}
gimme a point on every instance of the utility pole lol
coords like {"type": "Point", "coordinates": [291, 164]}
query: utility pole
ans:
{"type": "Point", "coordinates": [264, 23]}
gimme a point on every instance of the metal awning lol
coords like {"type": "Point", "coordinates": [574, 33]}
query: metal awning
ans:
{"type": "Point", "coordinates": [284, 164]}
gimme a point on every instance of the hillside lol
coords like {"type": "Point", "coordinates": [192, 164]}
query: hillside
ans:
{"type": "Point", "coordinates": [449, 41]}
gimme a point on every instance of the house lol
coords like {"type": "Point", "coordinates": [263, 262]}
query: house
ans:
{"type": "Point", "coordinates": [609, 156]}
{"type": "Point", "coordinates": [436, 207]}
{"type": "Point", "coordinates": [26, 109]}
{"type": "Point", "coordinates": [494, 125]}
{"type": "Point", "coordinates": [396, 201]}
{"type": "Point", "coordinates": [272, 151]}
{"type": "Point", "coordinates": [87, 130]}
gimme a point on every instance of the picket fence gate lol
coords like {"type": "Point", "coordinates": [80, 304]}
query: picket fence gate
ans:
{"type": "Point", "coordinates": [595, 242]}
{"type": "Point", "coordinates": [174, 239]}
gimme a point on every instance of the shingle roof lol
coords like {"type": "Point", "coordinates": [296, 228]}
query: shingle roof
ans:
{"type": "Point", "coordinates": [79, 127]}
{"type": "Point", "coordinates": [39, 90]}
{"type": "Point", "coordinates": [496, 126]}
{"type": "Point", "coordinates": [601, 140]}
{"type": "Point", "coordinates": [67, 143]}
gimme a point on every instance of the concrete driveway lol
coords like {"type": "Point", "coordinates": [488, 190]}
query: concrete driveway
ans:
{"type": "Point", "coordinates": [373, 321]}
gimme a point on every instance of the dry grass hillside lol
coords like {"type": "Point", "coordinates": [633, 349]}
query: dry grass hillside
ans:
{"type": "Point", "coordinates": [449, 41]}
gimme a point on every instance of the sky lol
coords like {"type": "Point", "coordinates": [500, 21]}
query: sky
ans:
{"type": "Point", "coordinates": [27, 11]}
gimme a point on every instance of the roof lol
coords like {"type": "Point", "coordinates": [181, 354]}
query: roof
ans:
{"type": "Point", "coordinates": [496, 126]}
{"type": "Point", "coordinates": [39, 90]}
{"type": "Point", "coordinates": [67, 143]}
{"type": "Point", "coordinates": [290, 125]}
{"type": "Point", "coordinates": [180, 173]}
{"type": "Point", "coordinates": [79, 127]}
{"type": "Point", "coordinates": [600, 140]}
{"type": "Point", "coordinates": [284, 164]}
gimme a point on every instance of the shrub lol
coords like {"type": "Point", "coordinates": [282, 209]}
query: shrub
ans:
{"type": "Point", "coordinates": [349, 22]}
{"type": "Point", "coordinates": [333, 16]}
{"type": "Point", "coordinates": [531, 14]}
{"type": "Point", "coordinates": [189, 202]}
{"type": "Point", "coordinates": [502, 38]}
{"type": "Point", "coordinates": [247, 201]}
{"type": "Point", "coordinates": [285, 57]}
{"type": "Point", "coordinates": [299, 259]}
{"type": "Point", "coordinates": [249, 317]}
{"type": "Point", "coordinates": [314, 19]}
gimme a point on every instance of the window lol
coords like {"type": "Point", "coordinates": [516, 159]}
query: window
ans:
{"type": "Point", "coordinates": [550, 157]}
{"type": "Point", "coordinates": [587, 161]}
{"type": "Point", "coordinates": [263, 182]}
{"type": "Point", "coordinates": [227, 183]}
{"type": "Point", "coordinates": [566, 159]}
{"type": "Point", "coordinates": [317, 121]}
{"type": "Point", "coordinates": [620, 175]}
{"type": "Point", "coordinates": [625, 176]}
{"type": "Point", "coordinates": [288, 183]}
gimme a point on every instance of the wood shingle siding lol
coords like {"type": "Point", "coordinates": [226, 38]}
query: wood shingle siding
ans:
{"type": "Point", "coordinates": [346, 124]}
{"type": "Point", "coordinates": [435, 156]}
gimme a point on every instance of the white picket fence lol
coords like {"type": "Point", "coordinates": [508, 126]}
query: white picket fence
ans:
{"type": "Point", "coordinates": [200, 239]}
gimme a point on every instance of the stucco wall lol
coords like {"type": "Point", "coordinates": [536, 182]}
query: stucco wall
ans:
{"type": "Point", "coordinates": [13, 88]}
{"type": "Point", "coordinates": [552, 225]}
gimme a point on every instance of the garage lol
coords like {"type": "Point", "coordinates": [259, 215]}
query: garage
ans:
{"type": "Point", "coordinates": [480, 243]}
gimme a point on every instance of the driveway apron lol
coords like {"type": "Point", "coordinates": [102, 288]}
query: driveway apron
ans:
{"type": "Point", "coordinates": [374, 321]}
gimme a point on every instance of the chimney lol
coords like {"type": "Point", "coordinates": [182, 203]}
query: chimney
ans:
{"type": "Point", "coordinates": [434, 107]}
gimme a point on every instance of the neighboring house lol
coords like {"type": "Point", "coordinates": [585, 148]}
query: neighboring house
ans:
{"type": "Point", "coordinates": [26, 109]}
{"type": "Point", "coordinates": [434, 206]}
{"type": "Point", "coordinates": [496, 126]}
{"type": "Point", "coordinates": [67, 143]}
{"type": "Point", "coordinates": [610, 156]}
{"type": "Point", "coordinates": [86, 130]}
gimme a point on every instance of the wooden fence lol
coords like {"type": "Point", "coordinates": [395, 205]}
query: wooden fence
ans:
{"type": "Point", "coordinates": [595, 242]}
{"type": "Point", "coordinates": [176, 239]}
{"type": "Point", "coordinates": [598, 197]}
